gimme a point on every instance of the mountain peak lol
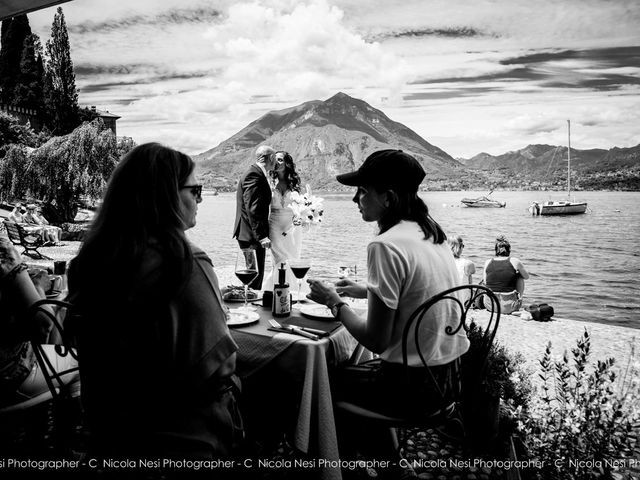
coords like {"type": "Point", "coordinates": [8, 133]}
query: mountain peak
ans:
{"type": "Point", "coordinates": [325, 138]}
{"type": "Point", "coordinates": [339, 96]}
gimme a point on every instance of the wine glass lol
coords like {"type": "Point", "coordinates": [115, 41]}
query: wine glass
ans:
{"type": "Point", "coordinates": [246, 271]}
{"type": "Point", "coordinates": [344, 271]}
{"type": "Point", "coordinates": [299, 269]}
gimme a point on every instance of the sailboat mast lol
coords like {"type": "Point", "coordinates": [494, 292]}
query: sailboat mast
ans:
{"type": "Point", "coordinates": [569, 162]}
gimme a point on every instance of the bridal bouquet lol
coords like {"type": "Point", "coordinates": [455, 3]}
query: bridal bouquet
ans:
{"type": "Point", "coordinates": [307, 209]}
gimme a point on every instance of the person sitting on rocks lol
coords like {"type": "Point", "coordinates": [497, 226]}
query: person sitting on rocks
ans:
{"type": "Point", "coordinates": [465, 267]}
{"type": "Point", "coordinates": [505, 276]}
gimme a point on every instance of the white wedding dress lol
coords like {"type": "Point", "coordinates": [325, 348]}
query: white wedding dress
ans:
{"type": "Point", "coordinates": [284, 248]}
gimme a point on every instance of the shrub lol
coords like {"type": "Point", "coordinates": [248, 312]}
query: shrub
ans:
{"type": "Point", "coordinates": [506, 390]}
{"type": "Point", "coordinates": [583, 422]}
{"type": "Point", "coordinates": [506, 375]}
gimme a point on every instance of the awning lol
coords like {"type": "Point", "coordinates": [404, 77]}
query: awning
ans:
{"type": "Point", "coordinates": [11, 8]}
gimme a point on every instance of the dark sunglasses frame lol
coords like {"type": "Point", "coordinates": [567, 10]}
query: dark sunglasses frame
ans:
{"type": "Point", "coordinates": [196, 190]}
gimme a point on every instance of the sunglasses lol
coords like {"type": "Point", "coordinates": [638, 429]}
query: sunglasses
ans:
{"type": "Point", "coordinates": [196, 190]}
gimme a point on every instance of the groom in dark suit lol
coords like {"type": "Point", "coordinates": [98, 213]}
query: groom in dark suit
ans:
{"type": "Point", "coordinates": [253, 198]}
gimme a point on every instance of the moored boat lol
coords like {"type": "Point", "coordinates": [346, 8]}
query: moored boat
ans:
{"type": "Point", "coordinates": [562, 207]}
{"type": "Point", "coordinates": [483, 202]}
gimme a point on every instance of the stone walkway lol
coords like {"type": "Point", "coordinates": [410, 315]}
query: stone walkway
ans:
{"type": "Point", "coordinates": [530, 338]}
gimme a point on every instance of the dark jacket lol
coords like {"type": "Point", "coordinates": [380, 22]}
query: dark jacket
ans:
{"type": "Point", "coordinates": [253, 198]}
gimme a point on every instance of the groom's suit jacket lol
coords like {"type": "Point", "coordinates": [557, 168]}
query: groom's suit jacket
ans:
{"type": "Point", "coordinates": [253, 197]}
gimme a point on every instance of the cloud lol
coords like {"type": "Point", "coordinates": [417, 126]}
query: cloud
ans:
{"type": "Point", "coordinates": [306, 52]}
{"type": "Point", "coordinates": [453, 32]}
{"type": "Point", "coordinates": [188, 16]}
{"type": "Point", "coordinates": [457, 72]}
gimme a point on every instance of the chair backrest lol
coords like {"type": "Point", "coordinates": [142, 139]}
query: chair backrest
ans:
{"type": "Point", "coordinates": [56, 382]}
{"type": "Point", "coordinates": [13, 231]}
{"type": "Point", "coordinates": [461, 298]}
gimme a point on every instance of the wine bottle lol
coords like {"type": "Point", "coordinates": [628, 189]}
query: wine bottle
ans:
{"type": "Point", "coordinates": [281, 306]}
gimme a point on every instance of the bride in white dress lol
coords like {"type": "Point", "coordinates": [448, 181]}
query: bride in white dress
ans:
{"type": "Point", "coordinates": [286, 240]}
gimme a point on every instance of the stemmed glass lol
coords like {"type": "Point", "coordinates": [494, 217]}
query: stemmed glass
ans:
{"type": "Point", "coordinates": [246, 271]}
{"type": "Point", "coordinates": [344, 272]}
{"type": "Point", "coordinates": [299, 269]}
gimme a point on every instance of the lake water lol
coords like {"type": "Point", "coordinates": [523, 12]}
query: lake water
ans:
{"type": "Point", "coordinates": [586, 266]}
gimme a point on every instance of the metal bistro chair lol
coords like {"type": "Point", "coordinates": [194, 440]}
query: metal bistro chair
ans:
{"type": "Point", "coordinates": [62, 390]}
{"type": "Point", "coordinates": [447, 415]}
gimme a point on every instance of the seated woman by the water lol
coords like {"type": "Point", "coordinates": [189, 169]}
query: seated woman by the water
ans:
{"type": "Point", "coordinates": [408, 262]}
{"type": "Point", "coordinates": [465, 267]}
{"type": "Point", "coordinates": [505, 274]}
{"type": "Point", "coordinates": [157, 360]}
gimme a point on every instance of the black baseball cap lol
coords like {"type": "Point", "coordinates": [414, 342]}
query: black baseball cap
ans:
{"type": "Point", "coordinates": [392, 169]}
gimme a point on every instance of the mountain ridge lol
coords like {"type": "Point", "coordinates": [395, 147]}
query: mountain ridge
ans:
{"type": "Point", "coordinates": [333, 136]}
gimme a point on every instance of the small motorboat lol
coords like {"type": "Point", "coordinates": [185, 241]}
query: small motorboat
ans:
{"type": "Point", "coordinates": [483, 202]}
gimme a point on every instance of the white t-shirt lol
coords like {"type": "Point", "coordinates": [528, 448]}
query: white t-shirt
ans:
{"type": "Point", "coordinates": [404, 271]}
{"type": "Point", "coordinates": [465, 268]}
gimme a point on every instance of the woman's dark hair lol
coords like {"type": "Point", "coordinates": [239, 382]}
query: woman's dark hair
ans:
{"type": "Point", "coordinates": [503, 247]}
{"type": "Point", "coordinates": [291, 177]}
{"type": "Point", "coordinates": [141, 207]}
{"type": "Point", "coordinates": [409, 206]}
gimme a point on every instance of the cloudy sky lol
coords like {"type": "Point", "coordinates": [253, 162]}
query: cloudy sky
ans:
{"type": "Point", "coordinates": [468, 76]}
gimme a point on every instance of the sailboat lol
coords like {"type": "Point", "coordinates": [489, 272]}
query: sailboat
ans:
{"type": "Point", "coordinates": [562, 207]}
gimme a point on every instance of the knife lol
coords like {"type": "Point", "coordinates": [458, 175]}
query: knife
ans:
{"type": "Point", "coordinates": [294, 330]}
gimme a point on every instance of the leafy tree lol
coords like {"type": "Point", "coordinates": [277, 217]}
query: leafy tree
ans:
{"type": "Point", "coordinates": [67, 169]}
{"type": "Point", "coordinates": [13, 132]}
{"type": "Point", "coordinates": [28, 92]}
{"type": "Point", "coordinates": [13, 34]}
{"type": "Point", "coordinates": [61, 96]}
{"type": "Point", "coordinates": [13, 167]}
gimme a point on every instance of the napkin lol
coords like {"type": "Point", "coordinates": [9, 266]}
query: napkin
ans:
{"type": "Point", "coordinates": [323, 325]}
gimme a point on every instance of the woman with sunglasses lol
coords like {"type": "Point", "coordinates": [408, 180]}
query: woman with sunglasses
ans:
{"type": "Point", "coordinates": [466, 267]}
{"type": "Point", "coordinates": [156, 358]}
{"type": "Point", "coordinates": [286, 241]}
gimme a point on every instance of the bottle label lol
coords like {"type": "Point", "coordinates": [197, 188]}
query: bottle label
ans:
{"type": "Point", "coordinates": [281, 301]}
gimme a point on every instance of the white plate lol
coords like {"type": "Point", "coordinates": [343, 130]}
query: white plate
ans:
{"type": "Point", "coordinates": [316, 311]}
{"type": "Point", "coordinates": [241, 318]}
{"type": "Point", "coordinates": [241, 300]}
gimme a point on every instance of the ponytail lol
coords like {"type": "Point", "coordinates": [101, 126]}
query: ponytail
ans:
{"type": "Point", "coordinates": [409, 206]}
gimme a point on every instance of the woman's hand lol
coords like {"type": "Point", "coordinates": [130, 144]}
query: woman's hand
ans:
{"type": "Point", "coordinates": [41, 281]}
{"type": "Point", "coordinates": [9, 257]}
{"type": "Point", "coordinates": [323, 292]}
{"type": "Point", "coordinates": [351, 289]}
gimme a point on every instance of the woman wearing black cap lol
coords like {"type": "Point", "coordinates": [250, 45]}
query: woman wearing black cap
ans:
{"type": "Point", "coordinates": [408, 262]}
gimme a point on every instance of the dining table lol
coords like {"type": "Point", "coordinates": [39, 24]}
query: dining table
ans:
{"type": "Point", "coordinates": [286, 376]}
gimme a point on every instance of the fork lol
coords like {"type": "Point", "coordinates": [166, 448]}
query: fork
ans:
{"type": "Point", "coordinates": [294, 330]}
